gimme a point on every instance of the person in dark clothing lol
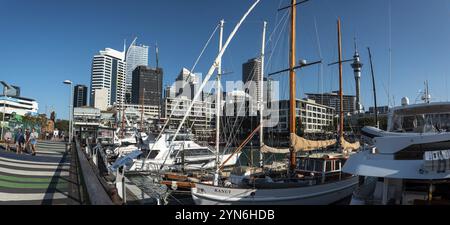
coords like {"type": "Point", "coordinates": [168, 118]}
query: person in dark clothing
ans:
{"type": "Point", "coordinates": [19, 139]}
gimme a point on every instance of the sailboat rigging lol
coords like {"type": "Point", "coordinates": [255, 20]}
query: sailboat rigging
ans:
{"type": "Point", "coordinates": [302, 185]}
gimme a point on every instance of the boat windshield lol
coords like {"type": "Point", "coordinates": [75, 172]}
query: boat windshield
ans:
{"type": "Point", "coordinates": [421, 123]}
{"type": "Point", "coordinates": [181, 137]}
{"type": "Point", "coordinates": [197, 152]}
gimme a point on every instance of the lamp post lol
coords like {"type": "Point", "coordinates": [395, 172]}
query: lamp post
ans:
{"type": "Point", "coordinates": [4, 111]}
{"type": "Point", "coordinates": [68, 82]}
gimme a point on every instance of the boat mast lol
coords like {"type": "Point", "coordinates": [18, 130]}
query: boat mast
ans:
{"type": "Point", "coordinates": [211, 71]}
{"type": "Point", "coordinates": [341, 94]}
{"type": "Point", "coordinates": [261, 96]}
{"type": "Point", "coordinates": [142, 111]}
{"type": "Point", "coordinates": [292, 84]}
{"type": "Point", "coordinates": [218, 105]}
{"type": "Point", "coordinates": [374, 89]}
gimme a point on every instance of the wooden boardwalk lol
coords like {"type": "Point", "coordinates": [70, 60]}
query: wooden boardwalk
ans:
{"type": "Point", "coordinates": [43, 179]}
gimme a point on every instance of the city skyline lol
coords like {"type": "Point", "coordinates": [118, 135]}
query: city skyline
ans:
{"type": "Point", "coordinates": [61, 45]}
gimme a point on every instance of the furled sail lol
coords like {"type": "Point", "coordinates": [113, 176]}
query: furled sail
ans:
{"type": "Point", "coordinates": [302, 144]}
{"type": "Point", "coordinates": [299, 144]}
{"type": "Point", "coordinates": [267, 149]}
{"type": "Point", "coordinates": [347, 146]}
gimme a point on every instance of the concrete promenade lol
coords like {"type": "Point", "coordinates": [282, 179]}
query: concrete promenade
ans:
{"type": "Point", "coordinates": [43, 179]}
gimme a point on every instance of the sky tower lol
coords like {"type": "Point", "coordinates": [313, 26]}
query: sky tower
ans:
{"type": "Point", "coordinates": [357, 66]}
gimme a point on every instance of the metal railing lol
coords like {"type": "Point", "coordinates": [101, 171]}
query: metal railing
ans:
{"type": "Point", "coordinates": [96, 194]}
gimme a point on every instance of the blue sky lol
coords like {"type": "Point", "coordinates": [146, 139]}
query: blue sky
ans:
{"type": "Point", "coordinates": [45, 42]}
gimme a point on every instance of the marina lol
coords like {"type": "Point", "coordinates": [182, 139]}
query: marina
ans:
{"type": "Point", "coordinates": [205, 139]}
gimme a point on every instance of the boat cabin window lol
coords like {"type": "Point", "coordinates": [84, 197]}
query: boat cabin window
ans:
{"type": "Point", "coordinates": [310, 165]}
{"type": "Point", "coordinates": [180, 138]}
{"type": "Point", "coordinates": [427, 122]}
{"type": "Point", "coordinates": [417, 151]}
{"type": "Point", "coordinates": [174, 153]}
{"type": "Point", "coordinates": [153, 154]}
{"type": "Point", "coordinates": [316, 165]}
{"type": "Point", "coordinates": [197, 152]}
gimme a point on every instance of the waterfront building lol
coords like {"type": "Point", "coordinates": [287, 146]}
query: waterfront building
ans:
{"type": "Point", "coordinates": [86, 116]}
{"type": "Point", "coordinates": [80, 96]}
{"type": "Point", "coordinates": [200, 118]}
{"type": "Point", "coordinates": [137, 55]}
{"type": "Point", "coordinates": [380, 109]}
{"type": "Point", "coordinates": [11, 102]}
{"type": "Point", "coordinates": [315, 117]}
{"type": "Point", "coordinates": [108, 72]}
{"type": "Point", "coordinates": [151, 112]}
{"type": "Point", "coordinates": [332, 100]}
{"type": "Point", "coordinates": [86, 121]}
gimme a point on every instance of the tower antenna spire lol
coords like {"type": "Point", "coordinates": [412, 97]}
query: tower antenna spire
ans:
{"type": "Point", "coordinates": [157, 55]}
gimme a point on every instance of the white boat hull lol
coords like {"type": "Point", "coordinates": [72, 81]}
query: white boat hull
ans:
{"type": "Point", "coordinates": [322, 194]}
{"type": "Point", "coordinates": [193, 163]}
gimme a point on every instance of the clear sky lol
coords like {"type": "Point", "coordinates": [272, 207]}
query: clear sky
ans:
{"type": "Point", "coordinates": [45, 42]}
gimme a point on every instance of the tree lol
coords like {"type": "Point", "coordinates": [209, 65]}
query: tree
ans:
{"type": "Point", "coordinates": [62, 125]}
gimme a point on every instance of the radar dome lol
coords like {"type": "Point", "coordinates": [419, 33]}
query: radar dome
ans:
{"type": "Point", "coordinates": [405, 101]}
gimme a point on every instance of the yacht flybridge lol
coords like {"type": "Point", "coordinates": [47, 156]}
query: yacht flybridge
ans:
{"type": "Point", "coordinates": [409, 163]}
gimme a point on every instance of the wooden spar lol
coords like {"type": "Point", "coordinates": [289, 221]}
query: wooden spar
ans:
{"type": "Point", "coordinates": [292, 84]}
{"type": "Point", "coordinates": [341, 94]}
{"type": "Point", "coordinates": [243, 144]}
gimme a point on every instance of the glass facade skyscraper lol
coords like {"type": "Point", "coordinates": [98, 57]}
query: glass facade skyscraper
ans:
{"type": "Point", "coordinates": [137, 55]}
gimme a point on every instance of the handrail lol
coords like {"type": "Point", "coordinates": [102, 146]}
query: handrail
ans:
{"type": "Point", "coordinates": [96, 194]}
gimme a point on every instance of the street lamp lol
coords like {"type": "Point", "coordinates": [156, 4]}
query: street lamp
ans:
{"type": "Point", "coordinates": [68, 82]}
{"type": "Point", "coordinates": [4, 110]}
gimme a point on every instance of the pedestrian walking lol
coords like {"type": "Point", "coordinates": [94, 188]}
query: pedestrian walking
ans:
{"type": "Point", "coordinates": [55, 134]}
{"type": "Point", "coordinates": [33, 141]}
{"type": "Point", "coordinates": [8, 139]}
{"type": "Point", "coordinates": [19, 139]}
{"type": "Point", "coordinates": [27, 140]}
{"type": "Point", "coordinates": [47, 135]}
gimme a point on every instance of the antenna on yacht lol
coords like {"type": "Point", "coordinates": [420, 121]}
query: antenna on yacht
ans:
{"type": "Point", "coordinates": [426, 97]}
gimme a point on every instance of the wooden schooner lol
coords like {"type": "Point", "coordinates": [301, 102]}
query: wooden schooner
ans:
{"type": "Point", "coordinates": [314, 179]}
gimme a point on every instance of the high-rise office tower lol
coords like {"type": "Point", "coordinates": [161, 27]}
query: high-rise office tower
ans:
{"type": "Point", "coordinates": [80, 96]}
{"type": "Point", "coordinates": [147, 86]}
{"type": "Point", "coordinates": [251, 71]}
{"type": "Point", "coordinates": [187, 84]}
{"type": "Point", "coordinates": [108, 72]}
{"type": "Point", "coordinates": [136, 55]}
